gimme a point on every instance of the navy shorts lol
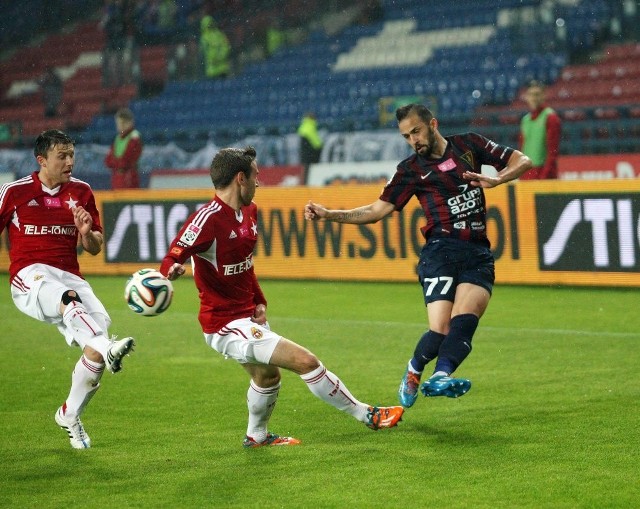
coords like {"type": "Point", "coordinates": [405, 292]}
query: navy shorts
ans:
{"type": "Point", "coordinates": [445, 263]}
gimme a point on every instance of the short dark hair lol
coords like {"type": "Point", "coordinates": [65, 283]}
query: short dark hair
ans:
{"type": "Point", "coordinates": [46, 140]}
{"type": "Point", "coordinates": [419, 109]}
{"type": "Point", "coordinates": [228, 162]}
{"type": "Point", "coordinates": [125, 114]}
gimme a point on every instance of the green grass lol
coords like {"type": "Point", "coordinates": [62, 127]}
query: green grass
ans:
{"type": "Point", "coordinates": [552, 419]}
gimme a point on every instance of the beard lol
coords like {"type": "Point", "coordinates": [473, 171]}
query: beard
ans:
{"type": "Point", "coordinates": [426, 150]}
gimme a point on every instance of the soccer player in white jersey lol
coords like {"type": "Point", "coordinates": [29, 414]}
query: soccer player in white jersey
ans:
{"type": "Point", "coordinates": [220, 238]}
{"type": "Point", "coordinates": [47, 215]}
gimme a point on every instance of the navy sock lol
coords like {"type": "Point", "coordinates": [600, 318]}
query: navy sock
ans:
{"type": "Point", "coordinates": [457, 344]}
{"type": "Point", "coordinates": [426, 350]}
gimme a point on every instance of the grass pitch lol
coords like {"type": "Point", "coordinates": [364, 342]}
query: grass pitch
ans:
{"type": "Point", "coordinates": [552, 419]}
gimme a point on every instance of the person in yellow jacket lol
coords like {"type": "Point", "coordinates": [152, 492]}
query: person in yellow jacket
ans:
{"type": "Point", "coordinates": [215, 48]}
{"type": "Point", "coordinates": [310, 142]}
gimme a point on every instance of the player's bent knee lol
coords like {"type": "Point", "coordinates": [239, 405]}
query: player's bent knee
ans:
{"type": "Point", "coordinates": [92, 355]}
{"type": "Point", "coordinates": [69, 296]}
{"type": "Point", "coordinates": [307, 363]}
{"type": "Point", "coordinates": [264, 381]}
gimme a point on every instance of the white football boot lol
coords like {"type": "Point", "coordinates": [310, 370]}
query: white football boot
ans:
{"type": "Point", "coordinates": [117, 351]}
{"type": "Point", "coordinates": [74, 428]}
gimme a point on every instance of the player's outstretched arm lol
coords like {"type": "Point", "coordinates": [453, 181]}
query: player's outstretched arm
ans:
{"type": "Point", "coordinates": [371, 213]}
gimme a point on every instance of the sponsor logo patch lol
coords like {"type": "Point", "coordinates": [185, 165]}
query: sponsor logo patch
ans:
{"type": "Point", "coordinates": [52, 202]}
{"type": "Point", "coordinates": [190, 235]}
{"type": "Point", "coordinates": [448, 165]}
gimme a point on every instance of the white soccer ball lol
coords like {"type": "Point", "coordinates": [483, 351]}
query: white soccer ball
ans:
{"type": "Point", "coordinates": [148, 292]}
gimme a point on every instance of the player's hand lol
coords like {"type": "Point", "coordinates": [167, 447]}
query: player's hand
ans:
{"type": "Point", "coordinates": [82, 220]}
{"type": "Point", "coordinates": [313, 211]}
{"type": "Point", "coordinates": [481, 180]}
{"type": "Point", "coordinates": [260, 314]}
{"type": "Point", "coordinates": [175, 271]}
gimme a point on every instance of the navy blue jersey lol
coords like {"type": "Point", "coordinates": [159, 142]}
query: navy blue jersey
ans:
{"type": "Point", "coordinates": [452, 206]}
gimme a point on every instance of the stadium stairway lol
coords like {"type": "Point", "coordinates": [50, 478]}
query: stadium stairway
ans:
{"type": "Point", "coordinates": [76, 57]}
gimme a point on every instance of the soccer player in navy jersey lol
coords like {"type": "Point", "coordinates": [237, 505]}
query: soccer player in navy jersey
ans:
{"type": "Point", "coordinates": [47, 214]}
{"type": "Point", "coordinates": [456, 266]}
{"type": "Point", "coordinates": [220, 238]}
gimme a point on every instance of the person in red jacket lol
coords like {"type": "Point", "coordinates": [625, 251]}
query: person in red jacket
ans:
{"type": "Point", "coordinates": [540, 131]}
{"type": "Point", "coordinates": [124, 153]}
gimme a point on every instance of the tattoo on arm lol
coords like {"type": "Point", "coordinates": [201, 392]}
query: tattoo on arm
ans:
{"type": "Point", "coordinates": [350, 216]}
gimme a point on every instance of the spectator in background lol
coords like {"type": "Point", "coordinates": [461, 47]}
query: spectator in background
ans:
{"type": "Point", "coordinates": [215, 48]}
{"type": "Point", "coordinates": [124, 153]}
{"type": "Point", "coordinates": [540, 135]}
{"type": "Point", "coordinates": [275, 37]}
{"type": "Point", "coordinates": [310, 142]}
{"type": "Point", "coordinates": [51, 86]}
{"type": "Point", "coordinates": [167, 11]}
{"type": "Point", "coordinates": [114, 24]}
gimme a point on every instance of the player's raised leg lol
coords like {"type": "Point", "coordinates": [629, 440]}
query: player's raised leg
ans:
{"type": "Point", "coordinates": [328, 387]}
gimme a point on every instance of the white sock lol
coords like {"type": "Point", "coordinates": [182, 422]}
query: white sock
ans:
{"type": "Point", "coordinates": [261, 402]}
{"type": "Point", "coordinates": [85, 330]}
{"type": "Point", "coordinates": [329, 388]}
{"type": "Point", "coordinates": [85, 381]}
{"type": "Point", "coordinates": [439, 373]}
{"type": "Point", "coordinates": [413, 370]}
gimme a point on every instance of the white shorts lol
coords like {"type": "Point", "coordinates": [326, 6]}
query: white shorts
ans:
{"type": "Point", "coordinates": [37, 291]}
{"type": "Point", "coordinates": [245, 341]}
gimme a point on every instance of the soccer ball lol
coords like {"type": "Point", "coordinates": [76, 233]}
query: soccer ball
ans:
{"type": "Point", "coordinates": [148, 292]}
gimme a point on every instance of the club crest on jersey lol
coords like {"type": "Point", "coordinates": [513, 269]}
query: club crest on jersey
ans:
{"type": "Point", "coordinates": [256, 333]}
{"type": "Point", "coordinates": [467, 157]}
{"type": "Point", "coordinates": [190, 235]}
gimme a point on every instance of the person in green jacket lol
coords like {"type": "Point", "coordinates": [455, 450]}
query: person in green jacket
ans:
{"type": "Point", "coordinates": [310, 142]}
{"type": "Point", "coordinates": [215, 48]}
{"type": "Point", "coordinates": [540, 131]}
{"type": "Point", "coordinates": [124, 153]}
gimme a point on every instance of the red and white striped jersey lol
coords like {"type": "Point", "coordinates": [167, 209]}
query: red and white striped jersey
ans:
{"type": "Point", "coordinates": [220, 242]}
{"type": "Point", "coordinates": [40, 224]}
